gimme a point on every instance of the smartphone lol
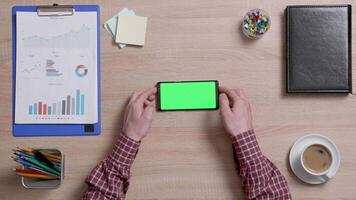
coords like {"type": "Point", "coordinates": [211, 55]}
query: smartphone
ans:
{"type": "Point", "coordinates": [188, 95]}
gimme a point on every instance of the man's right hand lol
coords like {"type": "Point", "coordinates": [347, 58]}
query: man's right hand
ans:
{"type": "Point", "coordinates": [235, 111]}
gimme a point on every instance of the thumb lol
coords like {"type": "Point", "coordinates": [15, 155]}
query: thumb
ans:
{"type": "Point", "coordinates": [224, 104]}
{"type": "Point", "coordinates": [148, 111]}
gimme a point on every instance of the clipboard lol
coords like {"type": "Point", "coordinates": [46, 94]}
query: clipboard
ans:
{"type": "Point", "coordinates": [25, 130]}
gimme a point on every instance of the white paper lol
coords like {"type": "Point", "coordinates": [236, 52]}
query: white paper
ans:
{"type": "Point", "coordinates": [56, 69]}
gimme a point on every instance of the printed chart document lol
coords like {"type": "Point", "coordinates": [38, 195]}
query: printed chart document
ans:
{"type": "Point", "coordinates": [56, 69]}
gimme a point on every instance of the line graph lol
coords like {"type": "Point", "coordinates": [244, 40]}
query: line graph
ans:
{"type": "Point", "coordinates": [30, 67]}
{"type": "Point", "coordinates": [71, 39]}
{"type": "Point", "coordinates": [29, 70]}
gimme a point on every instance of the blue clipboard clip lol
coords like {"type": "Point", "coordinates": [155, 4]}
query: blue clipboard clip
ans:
{"type": "Point", "coordinates": [26, 130]}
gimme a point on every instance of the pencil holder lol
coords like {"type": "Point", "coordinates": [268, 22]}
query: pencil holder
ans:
{"type": "Point", "coordinates": [46, 184]}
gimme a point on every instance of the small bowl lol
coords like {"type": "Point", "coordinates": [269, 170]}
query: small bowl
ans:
{"type": "Point", "coordinates": [256, 23]}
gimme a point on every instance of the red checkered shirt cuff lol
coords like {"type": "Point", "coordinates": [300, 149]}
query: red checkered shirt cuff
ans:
{"type": "Point", "coordinates": [124, 151]}
{"type": "Point", "coordinates": [246, 146]}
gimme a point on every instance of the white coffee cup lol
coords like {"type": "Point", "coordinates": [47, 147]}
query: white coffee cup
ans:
{"type": "Point", "coordinates": [316, 159]}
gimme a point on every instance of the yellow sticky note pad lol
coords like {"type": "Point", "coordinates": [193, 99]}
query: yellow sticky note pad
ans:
{"type": "Point", "coordinates": [131, 30]}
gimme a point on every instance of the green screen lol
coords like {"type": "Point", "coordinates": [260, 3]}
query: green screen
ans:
{"type": "Point", "coordinates": [188, 95]}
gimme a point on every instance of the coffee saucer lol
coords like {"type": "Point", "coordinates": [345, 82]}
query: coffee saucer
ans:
{"type": "Point", "coordinates": [296, 151]}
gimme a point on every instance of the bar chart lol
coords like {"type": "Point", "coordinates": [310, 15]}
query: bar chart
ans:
{"type": "Point", "coordinates": [70, 105]}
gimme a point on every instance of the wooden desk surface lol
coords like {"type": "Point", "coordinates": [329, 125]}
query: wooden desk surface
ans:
{"type": "Point", "coordinates": [187, 155]}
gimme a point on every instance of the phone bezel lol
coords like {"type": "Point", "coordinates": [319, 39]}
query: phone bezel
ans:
{"type": "Point", "coordinates": [159, 95]}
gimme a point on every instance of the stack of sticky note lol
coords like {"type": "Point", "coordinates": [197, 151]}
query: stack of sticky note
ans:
{"type": "Point", "coordinates": [126, 28]}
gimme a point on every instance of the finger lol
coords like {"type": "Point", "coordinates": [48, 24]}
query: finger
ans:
{"type": "Point", "coordinates": [224, 104]}
{"type": "Point", "coordinates": [133, 97]}
{"type": "Point", "coordinates": [236, 91]}
{"type": "Point", "coordinates": [139, 103]}
{"type": "Point", "coordinates": [223, 89]}
{"type": "Point", "coordinates": [152, 97]}
{"type": "Point", "coordinates": [148, 112]}
{"type": "Point", "coordinates": [145, 94]}
{"type": "Point", "coordinates": [240, 93]}
{"type": "Point", "coordinates": [230, 94]}
{"type": "Point", "coordinates": [150, 103]}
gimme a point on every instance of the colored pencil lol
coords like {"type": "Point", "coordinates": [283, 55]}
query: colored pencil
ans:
{"type": "Point", "coordinates": [32, 170]}
{"type": "Point", "coordinates": [21, 153]}
{"type": "Point", "coordinates": [54, 157]}
{"type": "Point", "coordinates": [44, 153]}
{"type": "Point", "coordinates": [51, 157]}
{"type": "Point", "coordinates": [28, 171]}
{"type": "Point", "coordinates": [57, 164]}
{"type": "Point", "coordinates": [44, 172]}
{"type": "Point", "coordinates": [24, 162]}
{"type": "Point", "coordinates": [35, 162]}
{"type": "Point", "coordinates": [25, 149]}
{"type": "Point", "coordinates": [35, 175]}
{"type": "Point", "coordinates": [40, 157]}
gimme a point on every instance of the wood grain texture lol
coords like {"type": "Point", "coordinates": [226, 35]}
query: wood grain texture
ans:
{"type": "Point", "coordinates": [187, 155]}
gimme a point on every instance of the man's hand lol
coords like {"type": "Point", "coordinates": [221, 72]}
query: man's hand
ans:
{"type": "Point", "coordinates": [235, 111]}
{"type": "Point", "coordinates": [139, 114]}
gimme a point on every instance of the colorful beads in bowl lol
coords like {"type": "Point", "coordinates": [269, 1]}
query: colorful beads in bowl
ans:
{"type": "Point", "coordinates": [256, 23]}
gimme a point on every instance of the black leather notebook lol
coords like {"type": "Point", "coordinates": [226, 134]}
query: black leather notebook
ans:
{"type": "Point", "coordinates": [319, 48]}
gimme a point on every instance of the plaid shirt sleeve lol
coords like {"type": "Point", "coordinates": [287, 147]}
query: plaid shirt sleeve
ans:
{"type": "Point", "coordinates": [260, 178]}
{"type": "Point", "coordinates": [110, 178]}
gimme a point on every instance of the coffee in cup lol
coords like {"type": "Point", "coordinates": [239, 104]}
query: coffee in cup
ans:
{"type": "Point", "coordinates": [316, 159]}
